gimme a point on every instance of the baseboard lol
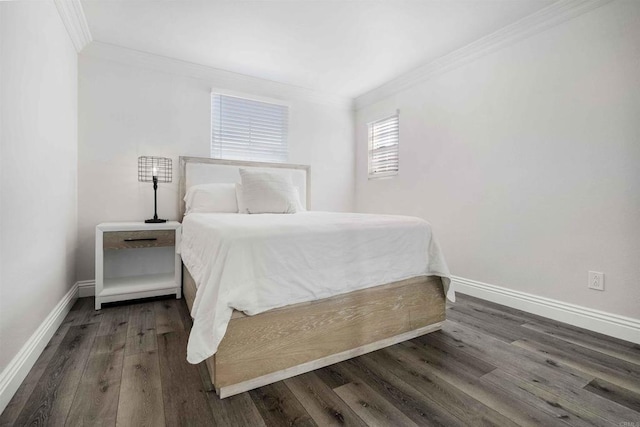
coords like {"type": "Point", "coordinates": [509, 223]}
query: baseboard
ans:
{"type": "Point", "coordinates": [625, 328]}
{"type": "Point", "coordinates": [17, 370]}
{"type": "Point", "coordinates": [86, 288]}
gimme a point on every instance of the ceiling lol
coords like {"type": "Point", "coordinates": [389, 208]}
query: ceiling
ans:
{"type": "Point", "coordinates": [343, 47]}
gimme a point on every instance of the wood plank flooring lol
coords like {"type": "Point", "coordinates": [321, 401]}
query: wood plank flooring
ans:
{"type": "Point", "coordinates": [490, 365]}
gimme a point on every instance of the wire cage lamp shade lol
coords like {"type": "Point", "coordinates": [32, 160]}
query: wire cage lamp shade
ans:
{"type": "Point", "coordinates": [154, 169]}
{"type": "Point", "coordinates": [150, 167]}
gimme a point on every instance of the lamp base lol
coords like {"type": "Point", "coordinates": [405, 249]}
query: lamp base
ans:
{"type": "Point", "coordinates": [155, 221]}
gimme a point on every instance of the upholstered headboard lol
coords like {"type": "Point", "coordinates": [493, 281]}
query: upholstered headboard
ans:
{"type": "Point", "coordinates": [203, 170]}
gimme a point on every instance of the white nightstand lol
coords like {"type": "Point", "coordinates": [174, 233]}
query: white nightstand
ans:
{"type": "Point", "coordinates": [137, 260]}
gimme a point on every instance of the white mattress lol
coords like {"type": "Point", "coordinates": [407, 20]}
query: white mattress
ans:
{"type": "Point", "coordinates": [255, 263]}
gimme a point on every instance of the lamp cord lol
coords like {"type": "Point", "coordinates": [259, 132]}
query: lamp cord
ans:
{"type": "Point", "coordinates": [155, 197]}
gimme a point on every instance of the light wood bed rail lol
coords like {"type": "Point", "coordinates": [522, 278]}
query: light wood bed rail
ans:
{"type": "Point", "coordinates": [284, 342]}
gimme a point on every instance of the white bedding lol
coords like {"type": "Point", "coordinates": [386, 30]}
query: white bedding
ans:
{"type": "Point", "coordinates": [254, 263]}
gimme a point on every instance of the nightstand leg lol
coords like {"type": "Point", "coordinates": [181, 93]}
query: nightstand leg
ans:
{"type": "Point", "coordinates": [98, 304]}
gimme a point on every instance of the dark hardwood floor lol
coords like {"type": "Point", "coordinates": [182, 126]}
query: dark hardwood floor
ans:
{"type": "Point", "coordinates": [490, 365]}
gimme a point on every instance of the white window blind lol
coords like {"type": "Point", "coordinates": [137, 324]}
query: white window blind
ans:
{"type": "Point", "coordinates": [384, 136]}
{"type": "Point", "coordinates": [244, 129]}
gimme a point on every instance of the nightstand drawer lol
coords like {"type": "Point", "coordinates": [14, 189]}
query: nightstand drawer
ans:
{"type": "Point", "coordinates": [138, 239]}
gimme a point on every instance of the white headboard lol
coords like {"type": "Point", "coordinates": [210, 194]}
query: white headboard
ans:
{"type": "Point", "coordinates": [203, 170]}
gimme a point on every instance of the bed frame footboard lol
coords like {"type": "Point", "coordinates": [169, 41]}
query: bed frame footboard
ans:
{"type": "Point", "coordinates": [281, 343]}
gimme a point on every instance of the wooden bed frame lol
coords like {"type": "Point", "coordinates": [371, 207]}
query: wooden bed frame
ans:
{"type": "Point", "coordinates": [284, 342]}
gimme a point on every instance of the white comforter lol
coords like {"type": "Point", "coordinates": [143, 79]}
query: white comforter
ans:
{"type": "Point", "coordinates": [254, 263]}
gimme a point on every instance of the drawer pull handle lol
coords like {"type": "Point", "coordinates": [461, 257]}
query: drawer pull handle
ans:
{"type": "Point", "coordinates": [142, 239]}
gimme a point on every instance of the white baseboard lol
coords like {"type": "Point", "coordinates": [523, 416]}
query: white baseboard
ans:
{"type": "Point", "coordinates": [625, 328]}
{"type": "Point", "coordinates": [86, 288]}
{"type": "Point", "coordinates": [13, 375]}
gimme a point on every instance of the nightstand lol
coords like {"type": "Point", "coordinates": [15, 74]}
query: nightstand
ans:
{"type": "Point", "coordinates": [137, 260]}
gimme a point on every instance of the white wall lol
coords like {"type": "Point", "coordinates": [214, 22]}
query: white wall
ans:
{"type": "Point", "coordinates": [527, 161]}
{"type": "Point", "coordinates": [38, 168]}
{"type": "Point", "coordinates": [129, 110]}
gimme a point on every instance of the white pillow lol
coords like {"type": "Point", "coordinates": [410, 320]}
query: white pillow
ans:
{"type": "Point", "coordinates": [267, 192]}
{"type": "Point", "coordinates": [240, 199]}
{"type": "Point", "coordinates": [211, 198]}
{"type": "Point", "coordinates": [243, 209]}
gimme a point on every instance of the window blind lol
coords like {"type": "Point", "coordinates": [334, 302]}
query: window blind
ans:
{"type": "Point", "coordinates": [384, 136]}
{"type": "Point", "coordinates": [244, 129]}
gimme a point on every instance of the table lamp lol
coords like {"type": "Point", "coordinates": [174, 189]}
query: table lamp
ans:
{"type": "Point", "coordinates": [154, 169]}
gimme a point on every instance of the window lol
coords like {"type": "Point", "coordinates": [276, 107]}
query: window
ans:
{"type": "Point", "coordinates": [244, 129]}
{"type": "Point", "coordinates": [384, 136]}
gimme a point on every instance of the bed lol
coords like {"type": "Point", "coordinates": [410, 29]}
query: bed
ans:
{"type": "Point", "coordinates": [314, 285]}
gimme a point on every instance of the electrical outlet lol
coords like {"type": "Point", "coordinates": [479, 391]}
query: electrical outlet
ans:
{"type": "Point", "coordinates": [596, 280]}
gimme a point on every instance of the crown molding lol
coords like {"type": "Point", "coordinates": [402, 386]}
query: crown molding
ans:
{"type": "Point", "coordinates": [550, 16]}
{"type": "Point", "coordinates": [73, 18]}
{"type": "Point", "coordinates": [216, 77]}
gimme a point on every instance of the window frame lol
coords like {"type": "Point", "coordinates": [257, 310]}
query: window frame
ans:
{"type": "Point", "coordinates": [370, 142]}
